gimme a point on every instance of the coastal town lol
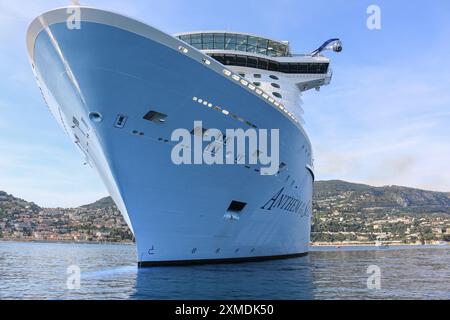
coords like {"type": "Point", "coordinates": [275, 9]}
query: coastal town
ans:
{"type": "Point", "coordinates": [343, 213]}
{"type": "Point", "coordinates": [98, 222]}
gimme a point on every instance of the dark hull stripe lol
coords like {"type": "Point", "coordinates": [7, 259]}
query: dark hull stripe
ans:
{"type": "Point", "coordinates": [142, 264]}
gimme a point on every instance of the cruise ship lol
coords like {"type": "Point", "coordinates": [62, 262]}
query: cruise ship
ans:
{"type": "Point", "coordinates": [119, 88]}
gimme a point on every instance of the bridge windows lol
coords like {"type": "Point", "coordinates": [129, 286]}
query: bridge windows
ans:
{"type": "Point", "coordinates": [238, 42]}
{"type": "Point", "coordinates": [263, 64]}
{"type": "Point", "coordinates": [266, 64]}
{"type": "Point", "coordinates": [241, 61]}
{"type": "Point", "coordinates": [252, 62]}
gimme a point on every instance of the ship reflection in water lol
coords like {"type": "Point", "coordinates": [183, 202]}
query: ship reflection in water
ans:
{"type": "Point", "coordinates": [284, 279]}
{"type": "Point", "coordinates": [39, 271]}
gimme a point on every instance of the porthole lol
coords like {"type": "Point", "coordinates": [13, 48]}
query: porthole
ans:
{"type": "Point", "coordinates": [276, 94]}
{"type": "Point", "coordinates": [95, 117]}
{"type": "Point", "coordinates": [273, 77]}
{"type": "Point", "coordinates": [257, 75]}
{"type": "Point", "coordinates": [275, 85]}
{"type": "Point", "coordinates": [257, 83]}
{"type": "Point", "coordinates": [242, 75]}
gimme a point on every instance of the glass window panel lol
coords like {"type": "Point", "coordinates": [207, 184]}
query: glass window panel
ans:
{"type": "Point", "coordinates": [253, 41]}
{"type": "Point", "coordinates": [230, 39]}
{"type": "Point", "coordinates": [293, 67]}
{"type": "Point", "coordinates": [302, 68]}
{"type": "Point", "coordinates": [251, 48]}
{"type": "Point", "coordinates": [208, 38]}
{"type": "Point", "coordinates": [273, 66]}
{"type": "Point", "coordinates": [315, 68]}
{"type": "Point", "coordinates": [241, 47]}
{"type": "Point", "coordinates": [278, 49]}
{"type": "Point", "coordinates": [252, 62]}
{"type": "Point", "coordinates": [230, 59]}
{"type": "Point", "coordinates": [241, 61]}
{"type": "Point", "coordinates": [241, 42]}
{"type": "Point", "coordinates": [197, 45]}
{"type": "Point", "coordinates": [241, 39]}
{"type": "Point", "coordinates": [219, 37]}
{"type": "Point", "coordinates": [271, 48]}
{"type": "Point", "coordinates": [262, 51]}
{"type": "Point", "coordinates": [186, 38]}
{"type": "Point", "coordinates": [219, 45]}
{"type": "Point", "coordinates": [284, 67]}
{"type": "Point", "coordinates": [219, 57]}
{"type": "Point", "coordinates": [262, 43]}
{"type": "Point", "coordinates": [262, 64]}
{"type": "Point", "coordinates": [208, 45]}
{"type": "Point", "coordinates": [219, 41]}
{"type": "Point", "coordinates": [196, 38]}
{"type": "Point", "coordinates": [230, 46]}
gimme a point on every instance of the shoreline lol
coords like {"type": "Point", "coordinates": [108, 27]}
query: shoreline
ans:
{"type": "Point", "coordinates": [68, 241]}
{"type": "Point", "coordinates": [312, 244]}
{"type": "Point", "coordinates": [370, 244]}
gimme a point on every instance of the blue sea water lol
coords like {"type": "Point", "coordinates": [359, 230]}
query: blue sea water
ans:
{"type": "Point", "coordinates": [40, 271]}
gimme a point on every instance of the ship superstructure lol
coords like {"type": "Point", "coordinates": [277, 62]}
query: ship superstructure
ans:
{"type": "Point", "coordinates": [120, 88]}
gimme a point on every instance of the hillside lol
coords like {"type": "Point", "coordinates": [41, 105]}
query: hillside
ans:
{"type": "Point", "coordinates": [99, 221]}
{"type": "Point", "coordinates": [346, 211]}
{"type": "Point", "coordinates": [392, 197]}
{"type": "Point", "coordinates": [342, 211]}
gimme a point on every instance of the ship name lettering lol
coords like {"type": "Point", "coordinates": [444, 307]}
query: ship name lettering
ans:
{"type": "Point", "coordinates": [287, 203]}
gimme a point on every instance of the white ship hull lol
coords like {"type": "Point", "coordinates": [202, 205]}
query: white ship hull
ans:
{"type": "Point", "coordinates": [115, 66]}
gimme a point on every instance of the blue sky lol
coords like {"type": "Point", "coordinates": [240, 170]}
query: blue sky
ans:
{"type": "Point", "coordinates": [385, 119]}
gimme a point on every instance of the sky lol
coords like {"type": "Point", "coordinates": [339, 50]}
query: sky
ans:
{"type": "Point", "coordinates": [383, 120]}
